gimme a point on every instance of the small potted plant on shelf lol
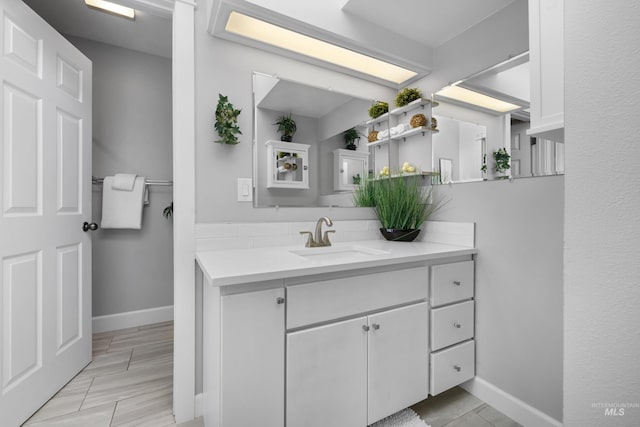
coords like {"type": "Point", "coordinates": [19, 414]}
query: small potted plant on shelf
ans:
{"type": "Point", "coordinates": [286, 127]}
{"type": "Point", "coordinates": [378, 108]}
{"type": "Point", "coordinates": [408, 95]}
{"type": "Point", "coordinates": [401, 204]}
{"type": "Point", "coordinates": [502, 161]}
{"type": "Point", "coordinates": [351, 138]}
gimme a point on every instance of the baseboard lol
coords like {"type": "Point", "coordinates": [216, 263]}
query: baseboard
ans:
{"type": "Point", "coordinates": [509, 405]}
{"type": "Point", "coordinates": [198, 403]}
{"type": "Point", "coordinates": [130, 319]}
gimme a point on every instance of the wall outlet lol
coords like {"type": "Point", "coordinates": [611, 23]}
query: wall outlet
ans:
{"type": "Point", "coordinates": [245, 190]}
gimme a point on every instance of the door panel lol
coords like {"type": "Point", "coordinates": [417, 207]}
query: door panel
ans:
{"type": "Point", "coordinates": [398, 360]}
{"type": "Point", "coordinates": [327, 376]}
{"type": "Point", "coordinates": [45, 155]}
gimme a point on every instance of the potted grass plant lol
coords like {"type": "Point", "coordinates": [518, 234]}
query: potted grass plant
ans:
{"type": "Point", "coordinates": [401, 204]}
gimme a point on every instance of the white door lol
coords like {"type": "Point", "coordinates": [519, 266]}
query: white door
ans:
{"type": "Point", "coordinates": [398, 360]}
{"type": "Point", "coordinates": [45, 186]}
{"type": "Point", "coordinates": [327, 376]}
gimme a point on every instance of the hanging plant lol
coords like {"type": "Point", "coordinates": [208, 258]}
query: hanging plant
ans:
{"type": "Point", "coordinates": [502, 160]}
{"type": "Point", "coordinates": [227, 121]}
{"type": "Point", "coordinates": [407, 95]}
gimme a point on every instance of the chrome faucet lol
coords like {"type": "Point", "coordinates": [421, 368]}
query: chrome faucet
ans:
{"type": "Point", "coordinates": [320, 239]}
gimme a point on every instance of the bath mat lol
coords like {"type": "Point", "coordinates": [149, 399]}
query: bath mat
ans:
{"type": "Point", "coordinates": [405, 418]}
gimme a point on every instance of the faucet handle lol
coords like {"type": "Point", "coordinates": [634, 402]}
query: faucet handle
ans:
{"type": "Point", "coordinates": [325, 238]}
{"type": "Point", "coordinates": [310, 241]}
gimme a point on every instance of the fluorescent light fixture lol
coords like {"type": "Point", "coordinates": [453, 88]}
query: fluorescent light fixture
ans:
{"type": "Point", "coordinates": [127, 12]}
{"type": "Point", "coordinates": [274, 35]}
{"type": "Point", "coordinates": [461, 94]}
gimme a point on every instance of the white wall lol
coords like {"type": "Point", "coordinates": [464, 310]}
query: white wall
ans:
{"type": "Point", "coordinates": [132, 270]}
{"type": "Point", "coordinates": [602, 201]}
{"type": "Point", "coordinates": [519, 228]}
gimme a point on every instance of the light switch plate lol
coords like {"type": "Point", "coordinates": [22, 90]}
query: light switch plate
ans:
{"type": "Point", "coordinates": [245, 190]}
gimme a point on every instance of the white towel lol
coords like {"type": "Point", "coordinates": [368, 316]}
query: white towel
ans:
{"type": "Point", "coordinates": [122, 209]}
{"type": "Point", "coordinates": [123, 181]}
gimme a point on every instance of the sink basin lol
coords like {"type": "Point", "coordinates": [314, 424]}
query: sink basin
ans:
{"type": "Point", "coordinates": [338, 253]}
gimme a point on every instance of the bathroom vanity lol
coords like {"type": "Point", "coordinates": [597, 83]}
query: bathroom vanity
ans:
{"type": "Point", "coordinates": [338, 336]}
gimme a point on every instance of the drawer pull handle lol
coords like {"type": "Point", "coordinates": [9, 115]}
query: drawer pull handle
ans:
{"type": "Point", "coordinates": [280, 300]}
{"type": "Point", "coordinates": [456, 282]}
{"type": "Point", "coordinates": [375, 326]}
{"type": "Point", "coordinates": [457, 368]}
{"type": "Point", "coordinates": [365, 328]}
{"type": "Point", "coordinates": [457, 325]}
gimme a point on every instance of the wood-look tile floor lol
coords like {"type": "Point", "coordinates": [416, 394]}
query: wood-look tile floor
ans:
{"type": "Point", "coordinates": [130, 383]}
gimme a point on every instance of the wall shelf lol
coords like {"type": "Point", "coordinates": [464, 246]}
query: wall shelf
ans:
{"type": "Point", "coordinates": [413, 105]}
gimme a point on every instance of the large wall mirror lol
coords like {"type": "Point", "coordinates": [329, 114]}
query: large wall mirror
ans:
{"type": "Point", "coordinates": [462, 149]}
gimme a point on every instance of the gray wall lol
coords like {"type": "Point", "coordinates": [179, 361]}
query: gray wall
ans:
{"type": "Point", "coordinates": [132, 270]}
{"type": "Point", "coordinates": [602, 272]}
{"type": "Point", "coordinates": [519, 228]}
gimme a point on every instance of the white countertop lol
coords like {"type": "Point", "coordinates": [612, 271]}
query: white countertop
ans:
{"type": "Point", "coordinates": [236, 266]}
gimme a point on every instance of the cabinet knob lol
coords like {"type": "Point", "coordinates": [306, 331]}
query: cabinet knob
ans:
{"type": "Point", "coordinates": [365, 328]}
{"type": "Point", "coordinates": [280, 300]}
{"type": "Point", "coordinates": [456, 282]}
{"type": "Point", "coordinates": [457, 325]}
{"type": "Point", "coordinates": [375, 326]}
{"type": "Point", "coordinates": [457, 368]}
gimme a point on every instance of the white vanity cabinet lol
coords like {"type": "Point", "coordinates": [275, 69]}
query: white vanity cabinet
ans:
{"type": "Point", "coordinates": [349, 169]}
{"type": "Point", "coordinates": [546, 56]}
{"type": "Point", "coordinates": [452, 325]}
{"type": "Point", "coordinates": [345, 347]}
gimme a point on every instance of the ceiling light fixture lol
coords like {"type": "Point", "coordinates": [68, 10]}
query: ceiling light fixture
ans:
{"type": "Point", "coordinates": [467, 96]}
{"type": "Point", "coordinates": [108, 6]}
{"type": "Point", "coordinates": [274, 35]}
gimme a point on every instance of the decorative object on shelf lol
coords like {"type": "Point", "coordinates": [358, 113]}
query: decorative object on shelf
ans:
{"type": "Point", "coordinates": [373, 136]}
{"type": "Point", "coordinates": [168, 211]}
{"type": "Point", "coordinates": [408, 168]}
{"type": "Point", "coordinates": [384, 171]}
{"type": "Point", "coordinates": [434, 123]}
{"type": "Point", "coordinates": [286, 127]}
{"type": "Point", "coordinates": [351, 138]}
{"type": "Point", "coordinates": [418, 120]}
{"type": "Point", "coordinates": [356, 179]}
{"type": "Point", "coordinates": [227, 121]}
{"type": "Point", "coordinates": [400, 204]}
{"type": "Point", "coordinates": [502, 160]}
{"type": "Point", "coordinates": [378, 108]}
{"type": "Point", "coordinates": [407, 95]}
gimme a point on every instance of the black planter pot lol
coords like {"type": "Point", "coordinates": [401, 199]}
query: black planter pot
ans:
{"type": "Point", "coordinates": [397, 235]}
{"type": "Point", "coordinates": [351, 147]}
{"type": "Point", "coordinates": [286, 138]}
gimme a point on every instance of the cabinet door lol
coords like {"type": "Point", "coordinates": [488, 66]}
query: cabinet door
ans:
{"type": "Point", "coordinates": [253, 359]}
{"type": "Point", "coordinates": [398, 360]}
{"type": "Point", "coordinates": [327, 376]}
{"type": "Point", "coordinates": [350, 169]}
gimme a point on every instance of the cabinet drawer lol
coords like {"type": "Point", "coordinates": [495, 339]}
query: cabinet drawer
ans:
{"type": "Point", "coordinates": [451, 324]}
{"type": "Point", "coordinates": [451, 282]}
{"type": "Point", "coordinates": [452, 366]}
{"type": "Point", "coordinates": [336, 298]}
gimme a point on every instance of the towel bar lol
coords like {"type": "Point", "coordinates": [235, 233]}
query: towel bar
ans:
{"type": "Point", "coordinates": [161, 182]}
